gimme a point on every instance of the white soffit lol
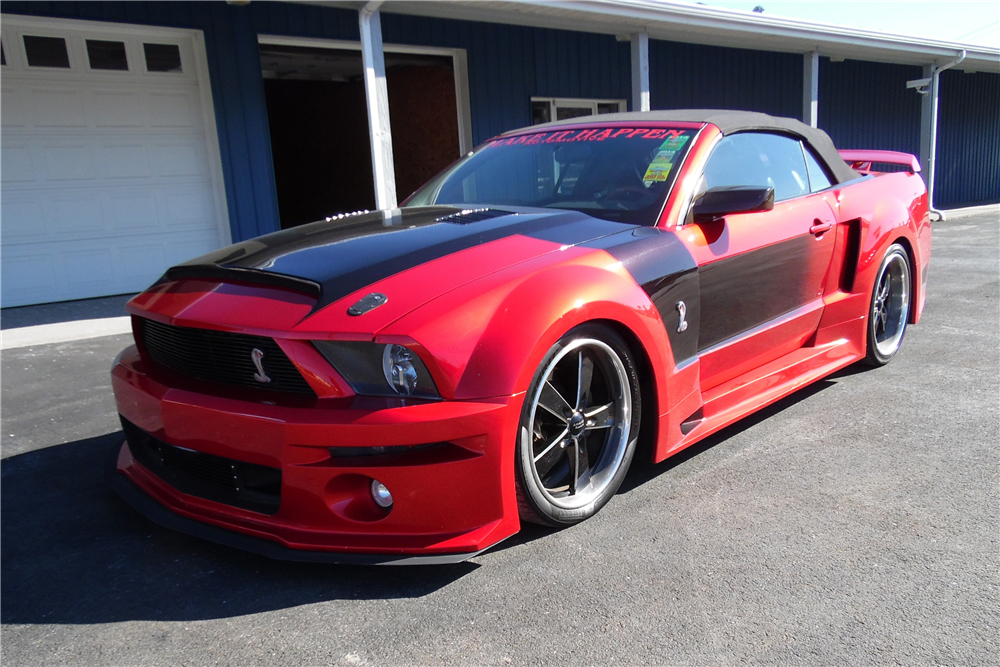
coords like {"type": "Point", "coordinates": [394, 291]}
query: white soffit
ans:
{"type": "Point", "coordinates": [700, 24]}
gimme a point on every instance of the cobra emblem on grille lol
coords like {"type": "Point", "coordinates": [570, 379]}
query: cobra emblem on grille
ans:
{"type": "Point", "coordinates": [260, 375]}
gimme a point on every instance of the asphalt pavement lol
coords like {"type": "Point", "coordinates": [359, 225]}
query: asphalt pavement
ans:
{"type": "Point", "coordinates": [856, 522]}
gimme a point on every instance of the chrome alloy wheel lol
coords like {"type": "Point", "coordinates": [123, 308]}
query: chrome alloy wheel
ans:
{"type": "Point", "coordinates": [890, 308]}
{"type": "Point", "coordinates": [580, 422]}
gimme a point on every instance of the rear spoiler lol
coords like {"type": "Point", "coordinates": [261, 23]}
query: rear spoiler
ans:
{"type": "Point", "coordinates": [862, 160]}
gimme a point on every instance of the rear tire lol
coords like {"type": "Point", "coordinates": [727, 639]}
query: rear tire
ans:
{"type": "Point", "coordinates": [578, 428]}
{"type": "Point", "coordinates": [889, 310]}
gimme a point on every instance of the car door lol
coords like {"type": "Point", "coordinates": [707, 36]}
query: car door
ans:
{"type": "Point", "coordinates": [762, 274]}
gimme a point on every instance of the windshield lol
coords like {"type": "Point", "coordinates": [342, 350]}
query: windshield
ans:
{"type": "Point", "coordinates": [615, 173]}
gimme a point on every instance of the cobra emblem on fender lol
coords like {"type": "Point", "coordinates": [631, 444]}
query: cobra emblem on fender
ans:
{"type": "Point", "coordinates": [260, 376]}
{"type": "Point", "coordinates": [682, 324]}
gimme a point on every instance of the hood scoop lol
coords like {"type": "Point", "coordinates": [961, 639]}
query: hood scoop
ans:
{"type": "Point", "coordinates": [471, 215]}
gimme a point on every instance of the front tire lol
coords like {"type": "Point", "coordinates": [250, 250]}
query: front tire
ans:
{"type": "Point", "coordinates": [889, 310]}
{"type": "Point", "coordinates": [578, 428]}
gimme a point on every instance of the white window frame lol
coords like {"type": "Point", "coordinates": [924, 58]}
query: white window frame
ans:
{"type": "Point", "coordinates": [578, 102]}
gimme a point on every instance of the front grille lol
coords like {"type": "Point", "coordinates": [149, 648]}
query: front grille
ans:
{"type": "Point", "coordinates": [220, 356]}
{"type": "Point", "coordinates": [245, 485]}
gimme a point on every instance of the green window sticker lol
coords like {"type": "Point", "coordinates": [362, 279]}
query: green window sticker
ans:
{"type": "Point", "coordinates": [663, 161]}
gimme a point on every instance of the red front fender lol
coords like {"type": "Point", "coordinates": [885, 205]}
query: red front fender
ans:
{"type": "Point", "coordinates": [487, 338]}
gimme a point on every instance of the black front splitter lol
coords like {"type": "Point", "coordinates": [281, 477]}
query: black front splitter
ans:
{"type": "Point", "coordinates": [162, 516]}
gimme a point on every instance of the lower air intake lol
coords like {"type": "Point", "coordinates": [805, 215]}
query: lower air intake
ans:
{"type": "Point", "coordinates": [245, 485]}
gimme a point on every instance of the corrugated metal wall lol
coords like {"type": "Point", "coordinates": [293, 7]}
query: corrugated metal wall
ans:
{"type": "Point", "coordinates": [867, 105]}
{"type": "Point", "coordinates": [694, 76]}
{"type": "Point", "coordinates": [968, 147]}
{"type": "Point", "coordinates": [862, 105]}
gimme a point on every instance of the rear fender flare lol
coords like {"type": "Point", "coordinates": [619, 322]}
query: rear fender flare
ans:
{"type": "Point", "coordinates": [891, 223]}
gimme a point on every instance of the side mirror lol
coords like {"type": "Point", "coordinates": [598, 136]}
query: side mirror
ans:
{"type": "Point", "coordinates": [723, 201]}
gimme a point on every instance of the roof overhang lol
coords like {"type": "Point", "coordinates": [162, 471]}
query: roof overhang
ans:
{"type": "Point", "coordinates": [700, 24]}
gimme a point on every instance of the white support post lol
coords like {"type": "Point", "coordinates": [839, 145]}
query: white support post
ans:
{"type": "Point", "coordinates": [640, 71]}
{"type": "Point", "coordinates": [810, 88]}
{"type": "Point", "coordinates": [377, 98]}
{"type": "Point", "coordinates": [928, 128]}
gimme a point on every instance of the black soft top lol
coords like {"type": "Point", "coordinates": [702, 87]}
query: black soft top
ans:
{"type": "Point", "coordinates": [731, 122]}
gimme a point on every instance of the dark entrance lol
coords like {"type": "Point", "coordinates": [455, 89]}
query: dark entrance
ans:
{"type": "Point", "coordinates": [319, 127]}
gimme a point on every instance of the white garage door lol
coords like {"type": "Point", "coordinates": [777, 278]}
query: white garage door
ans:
{"type": "Point", "coordinates": [110, 168]}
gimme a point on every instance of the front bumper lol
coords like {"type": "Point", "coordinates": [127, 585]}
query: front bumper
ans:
{"type": "Point", "coordinates": [451, 500]}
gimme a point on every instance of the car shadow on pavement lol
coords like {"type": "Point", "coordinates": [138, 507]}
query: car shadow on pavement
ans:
{"type": "Point", "coordinates": [73, 552]}
{"type": "Point", "coordinates": [643, 470]}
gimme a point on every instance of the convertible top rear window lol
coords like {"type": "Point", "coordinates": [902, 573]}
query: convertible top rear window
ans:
{"type": "Point", "coordinates": [615, 173]}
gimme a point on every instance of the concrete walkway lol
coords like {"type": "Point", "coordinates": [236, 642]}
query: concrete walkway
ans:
{"type": "Point", "coordinates": [63, 322]}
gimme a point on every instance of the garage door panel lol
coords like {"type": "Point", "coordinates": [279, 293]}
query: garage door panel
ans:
{"type": "Point", "coordinates": [188, 207]}
{"type": "Point", "coordinates": [180, 160]}
{"type": "Point", "coordinates": [28, 277]}
{"type": "Point", "coordinates": [58, 108]}
{"type": "Point", "coordinates": [12, 107]}
{"type": "Point", "coordinates": [18, 165]}
{"type": "Point", "coordinates": [140, 265]}
{"type": "Point", "coordinates": [133, 214]}
{"type": "Point", "coordinates": [76, 217]}
{"type": "Point", "coordinates": [108, 176]}
{"type": "Point", "coordinates": [118, 109]}
{"type": "Point", "coordinates": [178, 109]}
{"type": "Point", "coordinates": [20, 221]}
{"type": "Point", "coordinates": [63, 162]}
{"type": "Point", "coordinates": [89, 268]}
{"type": "Point", "coordinates": [124, 161]}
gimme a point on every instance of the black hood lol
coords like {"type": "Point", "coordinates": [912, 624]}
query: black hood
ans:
{"type": "Point", "coordinates": [336, 257]}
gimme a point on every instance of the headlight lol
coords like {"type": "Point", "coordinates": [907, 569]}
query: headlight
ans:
{"type": "Point", "coordinates": [400, 369]}
{"type": "Point", "coordinates": [373, 369]}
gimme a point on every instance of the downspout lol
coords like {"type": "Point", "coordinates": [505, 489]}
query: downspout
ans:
{"type": "Point", "coordinates": [933, 122]}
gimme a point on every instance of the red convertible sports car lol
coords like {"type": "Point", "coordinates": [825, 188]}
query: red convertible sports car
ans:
{"type": "Point", "coordinates": [410, 385]}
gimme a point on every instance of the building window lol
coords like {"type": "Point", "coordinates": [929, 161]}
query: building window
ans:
{"type": "Point", "coordinates": [107, 55]}
{"type": "Point", "coordinates": [545, 109]}
{"type": "Point", "coordinates": [46, 51]}
{"type": "Point", "coordinates": [162, 57]}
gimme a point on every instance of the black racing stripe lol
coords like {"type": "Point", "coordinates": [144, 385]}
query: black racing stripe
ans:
{"type": "Point", "coordinates": [742, 292]}
{"type": "Point", "coordinates": [660, 263]}
{"type": "Point", "coordinates": [343, 256]}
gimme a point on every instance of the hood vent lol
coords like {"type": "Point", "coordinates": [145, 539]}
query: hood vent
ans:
{"type": "Point", "coordinates": [468, 215]}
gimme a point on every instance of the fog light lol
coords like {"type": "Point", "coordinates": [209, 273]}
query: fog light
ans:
{"type": "Point", "coordinates": [381, 495]}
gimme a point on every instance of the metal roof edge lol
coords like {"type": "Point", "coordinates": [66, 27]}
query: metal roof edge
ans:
{"type": "Point", "coordinates": [742, 21]}
{"type": "Point", "coordinates": [676, 21]}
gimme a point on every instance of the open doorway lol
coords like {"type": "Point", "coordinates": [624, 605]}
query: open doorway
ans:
{"type": "Point", "coordinates": [319, 126]}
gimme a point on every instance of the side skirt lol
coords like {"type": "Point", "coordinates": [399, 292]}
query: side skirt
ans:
{"type": "Point", "coordinates": [756, 389]}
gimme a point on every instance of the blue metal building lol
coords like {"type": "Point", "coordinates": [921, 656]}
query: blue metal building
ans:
{"type": "Point", "coordinates": [511, 57]}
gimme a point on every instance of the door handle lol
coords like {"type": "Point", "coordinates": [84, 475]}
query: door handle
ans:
{"type": "Point", "coordinates": [819, 227]}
